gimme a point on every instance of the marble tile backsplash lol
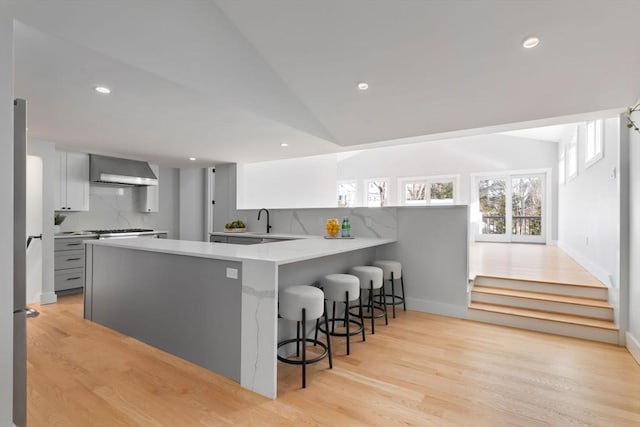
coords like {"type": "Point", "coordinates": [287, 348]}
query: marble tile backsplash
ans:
{"type": "Point", "coordinates": [365, 222]}
{"type": "Point", "coordinates": [115, 207]}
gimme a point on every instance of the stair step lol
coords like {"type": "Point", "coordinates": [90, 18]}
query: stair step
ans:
{"type": "Point", "coordinates": [592, 302]}
{"type": "Point", "coordinates": [566, 289]}
{"type": "Point", "coordinates": [569, 326]}
{"type": "Point", "coordinates": [586, 307]}
{"type": "Point", "coordinates": [545, 315]}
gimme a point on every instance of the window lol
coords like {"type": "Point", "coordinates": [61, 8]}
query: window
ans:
{"type": "Point", "coordinates": [347, 193]}
{"type": "Point", "coordinates": [572, 156]}
{"type": "Point", "coordinates": [441, 192]}
{"type": "Point", "coordinates": [376, 192]}
{"type": "Point", "coordinates": [593, 143]}
{"type": "Point", "coordinates": [435, 190]}
{"type": "Point", "coordinates": [415, 193]}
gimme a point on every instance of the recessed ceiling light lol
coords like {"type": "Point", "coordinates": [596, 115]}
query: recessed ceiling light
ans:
{"type": "Point", "coordinates": [530, 42]}
{"type": "Point", "coordinates": [102, 89]}
{"type": "Point", "coordinates": [193, 159]}
{"type": "Point", "coordinates": [284, 144]}
{"type": "Point", "coordinates": [363, 86]}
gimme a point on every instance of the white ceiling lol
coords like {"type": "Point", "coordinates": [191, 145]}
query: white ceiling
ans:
{"type": "Point", "coordinates": [229, 80]}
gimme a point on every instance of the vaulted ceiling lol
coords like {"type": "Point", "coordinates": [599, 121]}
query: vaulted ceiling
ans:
{"type": "Point", "coordinates": [231, 80]}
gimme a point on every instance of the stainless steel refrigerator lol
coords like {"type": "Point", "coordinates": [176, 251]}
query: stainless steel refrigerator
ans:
{"type": "Point", "coordinates": [19, 263]}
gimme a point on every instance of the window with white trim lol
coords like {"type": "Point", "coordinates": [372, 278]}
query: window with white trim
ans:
{"type": "Point", "coordinates": [434, 190]}
{"type": "Point", "coordinates": [347, 193]}
{"type": "Point", "coordinates": [594, 142]}
{"type": "Point", "coordinates": [376, 192]}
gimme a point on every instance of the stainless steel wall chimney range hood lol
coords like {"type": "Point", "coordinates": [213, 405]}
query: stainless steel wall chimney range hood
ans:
{"type": "Point", "coordinates": [112, 170]}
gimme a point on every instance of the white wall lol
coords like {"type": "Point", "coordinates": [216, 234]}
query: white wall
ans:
{"type": "Point", "coordinates": [308, 182]}
{"type": "Point", "coordinates": [46, 151]}
{"type": "Point", "coordinates": [633, 335]}
{"type": "Point", "coordinates": [589, 211]}
{"type": "Point", "coordinates": [192, 199]}
{"type": "Point", "coordinates": [34, 227]}
{"type": "Point", "coordinates": [6, 214]}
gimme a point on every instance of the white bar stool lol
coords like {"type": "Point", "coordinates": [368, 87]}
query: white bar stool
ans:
{"type": "Point", "coordinates": [302, 303]}
{"type": "Point", "coordinates": [371, 279]}
{"type": "Point", "coordinates": [392, 272]}
{"type": "Point", "coordinates": [343, 288]}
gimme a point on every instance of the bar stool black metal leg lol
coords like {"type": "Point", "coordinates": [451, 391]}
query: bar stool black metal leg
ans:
{"type": "Point", "coordinates": [384, 304]}
{"type": "Point", "coordinates": [373, 320]}
{"type": "Point", "coordinates": [315, 336]}
{"type": "Point", "coordinates": [333, 318]}
{"type": "Point", "coordinates": [304, 348]}
{"type": "Point", "coordinates": [362, 317]}
{"type": "Point", "coordinates": [346, 321]}
{"type": "Point", "coordinates": [393, 295]}
{"type": "Point", "coordinates": [297, 339]}
{"type": "Point", "coordinates": [404, 300]}
{"type": "Point", "coordinates": [326, 328]}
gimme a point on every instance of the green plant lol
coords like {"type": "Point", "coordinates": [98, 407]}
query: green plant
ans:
{"type": "Point", "coordinates": [58, 219]}
{"type": "Point", "coordinates": [630, 123]}
{"type": "Point", "coordinates": [235, 224]}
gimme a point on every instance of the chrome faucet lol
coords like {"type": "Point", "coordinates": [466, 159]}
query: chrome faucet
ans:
{"type": "Point", "coordinates": [267, 211]}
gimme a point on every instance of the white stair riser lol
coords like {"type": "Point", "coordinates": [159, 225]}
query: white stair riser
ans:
{"type": "Point", "coordinates": [548, 288]}
{"type": "Point", "coordinates": [547, 326]}
{"type": "Point", "coordinates": [552, 306]}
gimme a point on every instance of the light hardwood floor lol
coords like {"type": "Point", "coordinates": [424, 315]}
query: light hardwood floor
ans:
{"type": "Point", "coordinates": [420, 370]}
{"type": "Point", "coordinates": [544, 263]}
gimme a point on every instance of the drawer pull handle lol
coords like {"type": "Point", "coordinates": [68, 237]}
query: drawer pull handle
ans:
{"type": "Point", "coordinates": [73, 259]}
{"type": "Point", "coordinates": [74, 244]}
{"type": "Point", "coordinates": [74, 278]}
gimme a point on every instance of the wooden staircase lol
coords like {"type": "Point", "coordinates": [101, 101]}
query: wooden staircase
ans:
{"type": "Point", "coordinates": [575, 310]}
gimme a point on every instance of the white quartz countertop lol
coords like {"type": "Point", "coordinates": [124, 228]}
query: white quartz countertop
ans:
{"type": "Point", "coordinates": [284, 252]}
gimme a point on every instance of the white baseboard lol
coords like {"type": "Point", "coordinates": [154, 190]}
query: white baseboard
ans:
{"type": "Point", "coordinates": [436, 307]}
{"type": "Point", "coordinates": [552, 243]}
{"type": "Point", "coordinates": [48, 298]}
{"type": "Point", "coordinates": [633, 346]}
{"type": "Point", "coordinates": [589, 265]}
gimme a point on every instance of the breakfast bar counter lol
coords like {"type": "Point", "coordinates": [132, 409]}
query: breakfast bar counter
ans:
{"type": "Point", "coordinates": [214, 304]}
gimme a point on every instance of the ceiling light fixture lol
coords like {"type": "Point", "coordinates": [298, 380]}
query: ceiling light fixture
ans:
{"type": "Point", "coordinates": [530, 42]}
{"type": "Point", "coordinates": [363, 86]}
{"type": "Point", "coordinates": [284, 144]}
{"type": "Point", "coordinates": [102, 89]}
{"type": "Point", "coordinates": [193, 159]}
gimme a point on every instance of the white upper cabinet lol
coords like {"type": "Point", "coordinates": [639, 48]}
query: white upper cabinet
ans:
{"type": "Point", "coordinates": [72, 188]}
{"type": "Point", "coordinates": [148, 196]}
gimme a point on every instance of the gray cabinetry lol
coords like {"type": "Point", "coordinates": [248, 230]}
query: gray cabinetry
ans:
{"type": "Point", "coordinates": [218, 239]}
{"type": "Point", "coordinates": [69, 264]}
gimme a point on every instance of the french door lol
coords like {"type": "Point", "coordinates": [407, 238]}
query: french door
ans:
{"type": "Point", "coordinates": [511, 208]}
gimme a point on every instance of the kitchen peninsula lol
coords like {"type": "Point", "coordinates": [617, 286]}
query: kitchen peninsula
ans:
{"type": "Point", "coordinates": [214, 304]}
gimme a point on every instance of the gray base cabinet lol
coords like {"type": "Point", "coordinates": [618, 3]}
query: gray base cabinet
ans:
{"type": "Point", "coordinates": [69, 264]}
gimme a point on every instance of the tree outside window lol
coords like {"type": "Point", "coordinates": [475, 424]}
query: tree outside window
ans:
{"type": "Point", "coordinates": [377, 192]}
{"type": "Point", "coordinates": [347, 193]}
{"type": "Point", "coordinates": [415, 193]}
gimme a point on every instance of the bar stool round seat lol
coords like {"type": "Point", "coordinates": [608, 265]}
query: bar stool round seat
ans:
{"type": "Point", "coordinates": [371, 279]}
{"type": "Point", "coordinates": [294, 298]}
{"type": "Point", "coordinates": [392, 271]}
{"type": "Point", "coordinates": [301, 304]}
{"type": "Point", "coordinates": [343, 288]}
